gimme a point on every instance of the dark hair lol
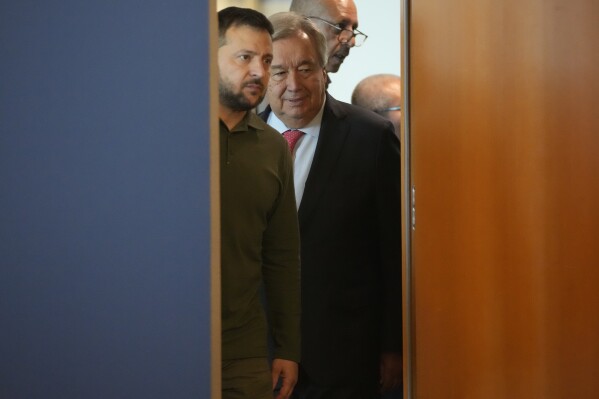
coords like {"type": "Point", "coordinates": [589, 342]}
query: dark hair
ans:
{"type": "Point", "coordinates": [236, 16]}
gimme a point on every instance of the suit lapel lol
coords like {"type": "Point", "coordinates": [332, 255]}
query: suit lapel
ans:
{"type": "Point", "coordinates": [264, 114]}
{"type": "Point", "coordinates": [333, 132]}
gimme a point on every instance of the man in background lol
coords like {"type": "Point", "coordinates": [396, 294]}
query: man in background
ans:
{"type": "Point", "coordinates": [381, 94]}
{"type": "Point", "coordinates": [347, 180]}
{"type": "Point", "coordinates": [259, 226]}
{"type": "Point", "coordinates": [338, 22]}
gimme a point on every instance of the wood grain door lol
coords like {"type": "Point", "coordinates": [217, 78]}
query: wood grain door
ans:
{"type": "Point", "coordinates": [503, 103]}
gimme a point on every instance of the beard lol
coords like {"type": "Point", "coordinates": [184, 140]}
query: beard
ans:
{"type": "Point", "coordinates": [336, 59]}
{"type": "Point", "coordinates": [237, 101]}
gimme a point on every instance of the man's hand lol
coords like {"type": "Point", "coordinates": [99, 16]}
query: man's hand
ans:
{"type": "Point", "coordinates": [287, 371]}
{"type": "Point", "coordinates": [391, 371]}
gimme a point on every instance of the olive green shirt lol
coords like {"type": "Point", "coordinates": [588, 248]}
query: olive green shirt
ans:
{"type": "Point", "coordinates": [260, 243]}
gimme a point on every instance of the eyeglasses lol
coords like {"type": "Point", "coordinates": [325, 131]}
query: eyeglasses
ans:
{"type": "Point", "coordinates": [382, 110]}
{"type": "Point", "coordinates": [345, 35]}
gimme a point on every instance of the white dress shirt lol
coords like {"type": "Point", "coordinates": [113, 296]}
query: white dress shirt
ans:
{"type": "Point", "coordinates": [303, 153]}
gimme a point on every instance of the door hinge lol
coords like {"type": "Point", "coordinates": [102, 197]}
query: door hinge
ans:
{"type": "Point", "coordinates": [413, 208]}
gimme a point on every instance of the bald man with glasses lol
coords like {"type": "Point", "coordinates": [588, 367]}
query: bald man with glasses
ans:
{"type": "Point", "coordinates": [381, 93]}
{"type": "Point", "coordinates": [338, 22]}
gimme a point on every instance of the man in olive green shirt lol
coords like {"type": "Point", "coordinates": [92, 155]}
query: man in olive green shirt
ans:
{"type": "Point", "coordinates": [260, 236]}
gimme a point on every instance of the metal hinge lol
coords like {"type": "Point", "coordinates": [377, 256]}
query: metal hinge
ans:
{"type": "Point", "coordinates": [413, 208]}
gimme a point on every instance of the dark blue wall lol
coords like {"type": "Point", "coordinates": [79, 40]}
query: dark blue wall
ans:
{"type": "Point", "coordinates": [104, 199]}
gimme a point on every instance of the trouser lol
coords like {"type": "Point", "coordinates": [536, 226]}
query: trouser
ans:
{"type": "Point", "coordinates": [246, 379]}
{"type": "Point", "coordinates": [351, 389]}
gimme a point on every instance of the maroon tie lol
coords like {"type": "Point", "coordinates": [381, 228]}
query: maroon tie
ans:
{"type": "Point", "coordinates": [292, 136]}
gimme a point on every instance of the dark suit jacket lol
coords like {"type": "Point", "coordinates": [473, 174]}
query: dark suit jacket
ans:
{"type": "Point", "coordinates": [350, 229]}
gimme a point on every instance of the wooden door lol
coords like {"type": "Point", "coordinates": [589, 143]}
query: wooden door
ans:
{"type": "Point", "coordinates": [503, 124]}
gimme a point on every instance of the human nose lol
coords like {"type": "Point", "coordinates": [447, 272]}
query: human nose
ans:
{"type": "Point", "coordinates": [351, 42]}
{"type": "Point", "coordinates": [292, 81]}
{"type": "Point", "coordinates": [347, 38]}
{"type": "Point", "coordinates": [258, 69]}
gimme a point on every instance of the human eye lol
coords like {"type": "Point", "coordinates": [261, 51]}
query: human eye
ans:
{"type": "Point", "coordinates": [305, 70]}
{"type": "Point", "coordinates": [243, 57]}
{"type": "Point", "coordinates": [278, 75]}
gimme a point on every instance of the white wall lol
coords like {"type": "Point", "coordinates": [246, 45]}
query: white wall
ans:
{"type": "Point", "coordinates": [380, 20]}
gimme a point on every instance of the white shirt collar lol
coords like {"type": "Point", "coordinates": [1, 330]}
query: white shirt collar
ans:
{"type": "Point", "coordinates": [311, 129]}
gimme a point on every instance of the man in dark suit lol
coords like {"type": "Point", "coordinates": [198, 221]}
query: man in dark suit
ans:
{"type": "Point", "coordinates": [347, 180]}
